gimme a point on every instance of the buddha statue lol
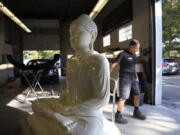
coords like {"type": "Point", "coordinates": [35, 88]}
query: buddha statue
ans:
{"type": "Point", "coordinates": [78, 111]}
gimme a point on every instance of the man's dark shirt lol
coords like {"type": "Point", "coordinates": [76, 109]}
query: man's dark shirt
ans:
{"type": "Point", "coordinates": [127, 62]}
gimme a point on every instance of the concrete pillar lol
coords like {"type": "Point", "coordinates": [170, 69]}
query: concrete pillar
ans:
{"type": "Point", "coordinates": [17, 48]}
{"type": "Point", "coordinates": [143, 31]}
{"type": "Point", "coordinates": [64, 44]}
{"type": "Point", "coordinates": [98, 45]}
{"type": "Point", "coordinates": [158, 52]}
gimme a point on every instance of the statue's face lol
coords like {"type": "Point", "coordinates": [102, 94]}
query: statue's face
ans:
{"type": "Point", "coordinates": [80, 38]}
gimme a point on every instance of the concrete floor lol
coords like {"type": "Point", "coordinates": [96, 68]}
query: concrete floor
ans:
{"type": "Point", "coordinates": [160, 120]}
{"type": "Point", "coordinates": [13, 108]}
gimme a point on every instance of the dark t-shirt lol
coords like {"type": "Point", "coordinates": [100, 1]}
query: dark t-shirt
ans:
{"type": "Point", "coordinates": [127, 62]}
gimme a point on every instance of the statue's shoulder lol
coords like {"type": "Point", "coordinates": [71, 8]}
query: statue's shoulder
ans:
{"type": "Point", "coordinates": [98, 58]}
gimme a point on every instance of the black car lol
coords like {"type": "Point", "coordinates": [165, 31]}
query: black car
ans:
{"type": "Point", "coordinates": [48, 76]}
{"type": "Point", "coordinates": [170, 66]}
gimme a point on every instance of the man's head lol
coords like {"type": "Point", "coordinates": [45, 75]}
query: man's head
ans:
{"type": "Point", "coordinates": [134, 46]}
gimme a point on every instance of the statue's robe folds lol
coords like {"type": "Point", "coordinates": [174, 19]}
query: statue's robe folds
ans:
{"type": "Point", "coordinates": [78, 110]}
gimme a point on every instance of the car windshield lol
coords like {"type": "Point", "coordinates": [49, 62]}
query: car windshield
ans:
{"type": "Point", "coordinates": [169, 60]}
{"type": "Point", "coordinates": [37, 62]}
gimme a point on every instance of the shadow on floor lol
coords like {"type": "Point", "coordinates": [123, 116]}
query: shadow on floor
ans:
{"type": "Point", "coordinates": [10, 120]}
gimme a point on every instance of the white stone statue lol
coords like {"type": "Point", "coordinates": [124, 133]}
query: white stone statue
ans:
{"type": "Point", "coordinates": [78, 110]}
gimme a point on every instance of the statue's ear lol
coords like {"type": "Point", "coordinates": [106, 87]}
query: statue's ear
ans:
{"type": "Point", "coordinates": [93, 37]}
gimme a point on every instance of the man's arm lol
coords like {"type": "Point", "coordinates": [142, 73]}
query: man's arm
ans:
{"type": "Point", "coordinates": [114, 64]}
{"type": "Point", "coordinates": [136, 76]}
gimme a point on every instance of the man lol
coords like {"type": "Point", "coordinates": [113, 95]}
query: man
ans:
{"type": "Point", "coordinates": [128, 81]}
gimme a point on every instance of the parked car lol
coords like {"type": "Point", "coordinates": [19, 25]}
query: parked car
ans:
{"type": "Point", "coordinates": [51, 76]}
{"type": "Point", "coordinates": [170, 66]}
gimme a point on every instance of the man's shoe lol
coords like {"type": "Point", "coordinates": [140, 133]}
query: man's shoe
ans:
{"type": "Point", "coordinates": [138, 114]}
{"type": "Point", "coordinates": [120, 119]}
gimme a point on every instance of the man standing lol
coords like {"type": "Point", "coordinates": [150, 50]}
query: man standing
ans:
{"type": "Point", "coordinates": [128, 81]}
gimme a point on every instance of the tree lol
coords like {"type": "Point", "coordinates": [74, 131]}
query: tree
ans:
{"type": "Point", "coordinates": [171, 26]}
{"type": "Point", "coordinates": [46, 54]}
{"type": "Point", "coordinates": [30, 55]}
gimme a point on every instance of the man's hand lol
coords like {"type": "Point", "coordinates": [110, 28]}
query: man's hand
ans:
{"type": "Point", "coordinates": [137, 79]}
{"type": "Point", "coordinates": [112, 66]}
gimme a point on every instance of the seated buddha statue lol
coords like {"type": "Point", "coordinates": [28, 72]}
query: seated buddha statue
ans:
{"type": "Point", "coordinates": [78, 111]}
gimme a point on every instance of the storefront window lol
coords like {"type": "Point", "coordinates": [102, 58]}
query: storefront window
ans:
{"type": "Point", "coordinates": [125, 33]}
{"type": "Point", "coordinates": [106, 40]}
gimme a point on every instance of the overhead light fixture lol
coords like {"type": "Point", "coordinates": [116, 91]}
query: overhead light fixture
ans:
{"type": "Point", "coordinates": [7, 12]}
{"type": "Point", "coordinates": [98, 7]}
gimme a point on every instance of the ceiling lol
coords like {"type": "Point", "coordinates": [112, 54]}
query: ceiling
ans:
{"type": "Point", "coordinates": [49, 9]}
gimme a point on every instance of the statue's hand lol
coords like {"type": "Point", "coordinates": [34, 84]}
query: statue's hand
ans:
{"type": "Point", "coordinates": [69, 110]}
{"type": "Point", "coordinates": [65, 110]}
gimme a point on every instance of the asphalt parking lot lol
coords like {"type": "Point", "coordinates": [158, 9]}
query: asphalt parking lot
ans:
{"type": "Point", "coordinates": [171, 91]}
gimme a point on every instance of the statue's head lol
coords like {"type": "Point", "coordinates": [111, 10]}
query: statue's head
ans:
{"type": "Point", "coordinates": [83, 32]}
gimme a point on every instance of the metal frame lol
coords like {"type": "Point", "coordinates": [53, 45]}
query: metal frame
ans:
{"type": "Point", "coordinates": [34, 84]}
{"type": "Point", "coordinates": [114, 91]}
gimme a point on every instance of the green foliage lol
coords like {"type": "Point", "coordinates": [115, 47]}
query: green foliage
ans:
{"type": "Point", "coordinates": [46, 54]}
{"type": "Point", "coordinates": [171, 26]}
{"type": "Point", "coordinates": [30, 54]}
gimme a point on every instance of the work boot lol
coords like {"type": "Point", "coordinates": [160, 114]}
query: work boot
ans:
{"type": "Point", "coordinates": [119, 119]}
{"type": "Point", "coordinates": [138, 114]}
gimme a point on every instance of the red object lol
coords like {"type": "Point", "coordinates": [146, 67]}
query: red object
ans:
{"type": "Point", "coordinates": [164, 65]}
